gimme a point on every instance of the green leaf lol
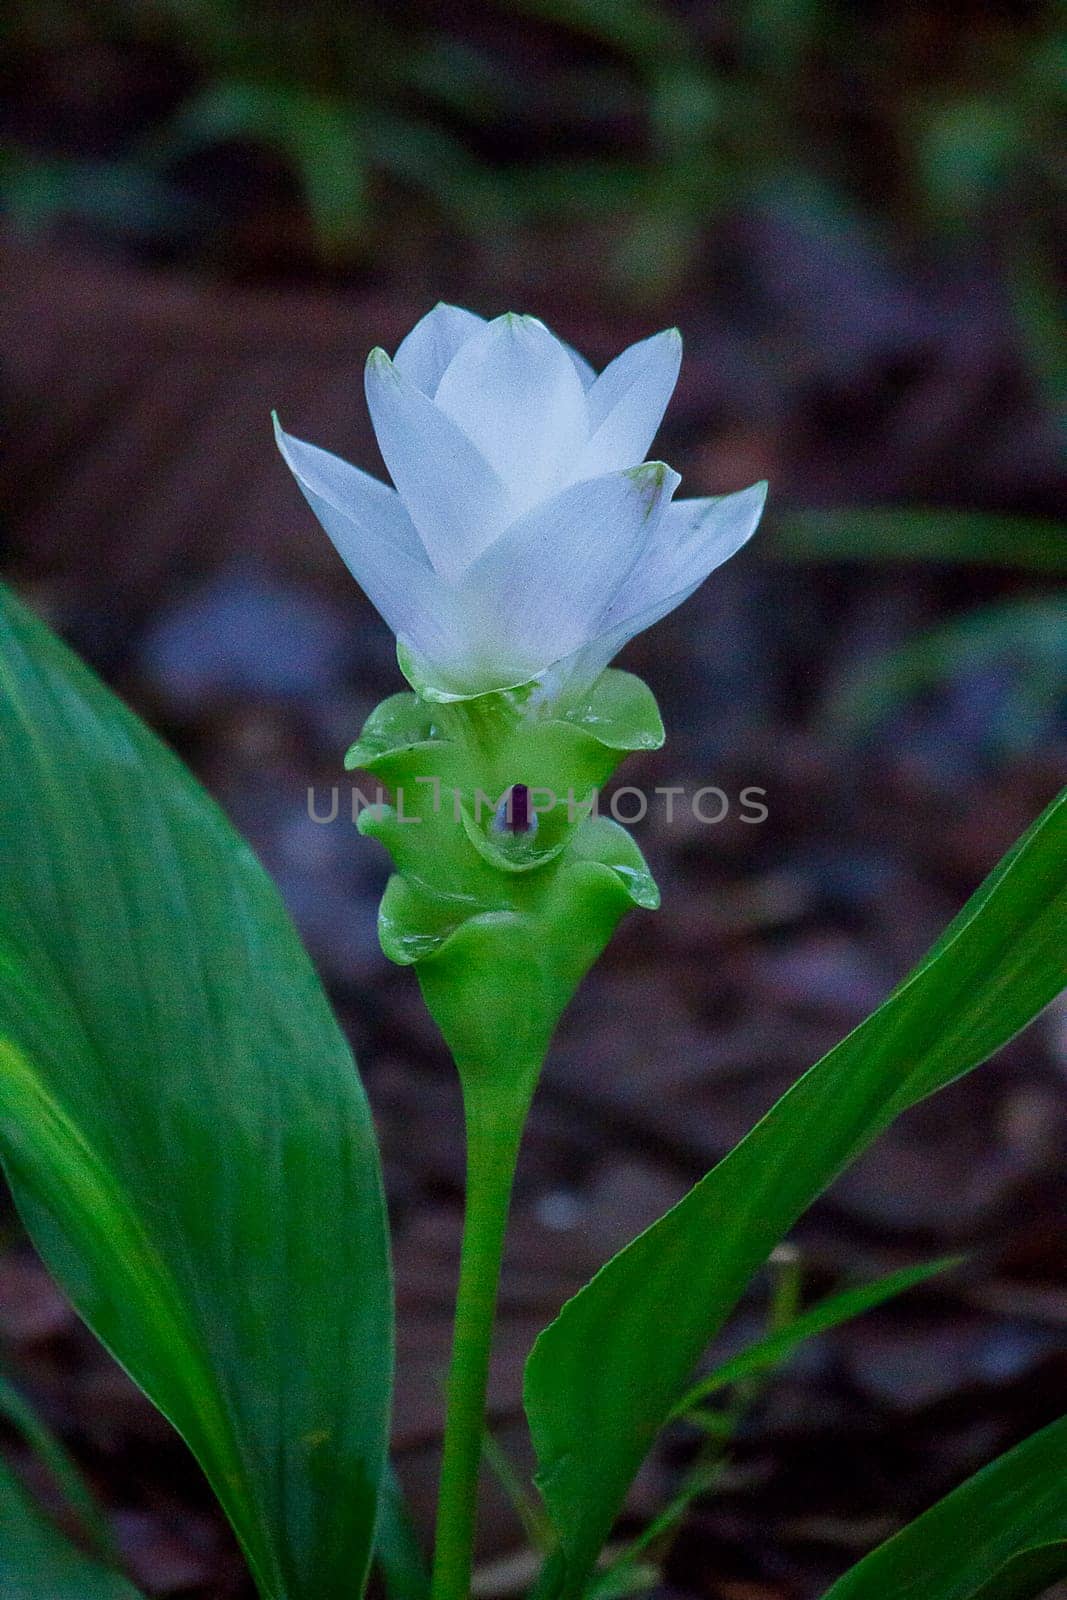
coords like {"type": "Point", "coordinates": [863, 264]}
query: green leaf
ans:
{"type": "Point", "coordinates": [627, 1578]}
{"type": "Point", "coordinates": [774, 1348]}
{"type": "Point", "coordinates": [37, 1562]}
{"type": "Point", "coordinates": [1034, 287]}
{"type": "Point", "coordinates": [397, 1551]}
{"type": "Point", "coordinates": [525, 1504]}
{"type": "Point", "coordinates": [643, 30]}
{"type": "Point", "coordinates": [53, 1456]}
{"type": "Point", "coordinates": [779, 33]}
{"type": "Point", "coordinates": [320, 135]}
{"type": "Point", "coordinates": [605, 1376]}
{"type": "Point", "coordinates": [999, 1536]}
{"type": "Point", "coordinates": [1024, 642]}
{"type": "Point", "coordinates": [1027, 1575]}
{"type": "Point", "coordinates": [930, 533]}
{"type": "Point", "coordinates": [120, 197]}
{"type": "Point", "coordinates": [966, 150]}
{"type": "Point", "coordinates": [182, 1124]}
{"type": "Point", "coordinates": [431, 160]}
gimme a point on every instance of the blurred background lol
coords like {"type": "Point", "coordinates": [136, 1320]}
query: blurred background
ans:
{"type": "Point", "coordinates": [852, 211]}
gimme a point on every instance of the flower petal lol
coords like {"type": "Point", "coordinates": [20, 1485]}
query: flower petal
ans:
{"type": "Point", "coordinates": [426, 351]}
{"type": "Point", "coordinates": [627, 402]}
{"type": "Point", "coordinates": [537, 595]}
{"type": "Point", "coordinates": [693, 537]}
{"type": "Point", "coordinates": [454, 498]}
{"type": "Point", "coordinates": [516, 393]}
{"type": "Point", "coordinates": [586, 372]}
{"type": "Point", "coordinates": [373, 535]}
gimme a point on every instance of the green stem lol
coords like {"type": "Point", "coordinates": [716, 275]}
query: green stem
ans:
{"type": "Point", "coordinates": [494, 1131]}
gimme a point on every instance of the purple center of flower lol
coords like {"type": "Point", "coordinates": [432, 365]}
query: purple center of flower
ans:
{"type": "Point", "coordinates": [515, 815]}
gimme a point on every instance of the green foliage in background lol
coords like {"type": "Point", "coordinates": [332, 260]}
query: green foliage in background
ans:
{"type": "Point", "coordinates": [37, 1562]}
{"type": "Point", "coordinates": [923, 533]}
{"type": "Point", "coordinates": [57, 1463]}
{"type": "Point", "coordinates": [1021, 641]}
{"type": "Point", "coordinates": [632, 114]}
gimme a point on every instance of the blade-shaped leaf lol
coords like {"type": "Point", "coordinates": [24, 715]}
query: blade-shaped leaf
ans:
{"type": "Point", "coordinates": [320, 135]}
{"type": "Point", "coordinates": [605, 1376]}
{"type": "Point", "coordinates": [774, 1348]}
{"type": "Point", "coordinates": [1027, 1575]}
{"type": "Point", "coordinates": [182, 1123]}
{"type": "Point", "coordinates": [922, 533]}
{"type": "Point", "coordinates": [52, 1455]}
{"type": "Point", "coordinates": [37, 1562]}
{"type": "Point", "coordinates": [397, 1551]}
{"type": "Point", "coordinates": [999, 1536]}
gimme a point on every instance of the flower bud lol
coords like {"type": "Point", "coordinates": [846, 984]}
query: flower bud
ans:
{"type": "Point", "coordinates": [526, 538]}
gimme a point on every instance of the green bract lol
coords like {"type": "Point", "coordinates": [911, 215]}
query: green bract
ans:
{"type": "Point", "coordinates": [470, 900]}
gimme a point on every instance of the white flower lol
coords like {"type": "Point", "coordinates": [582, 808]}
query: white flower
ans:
{"type": "Point", "coordinates": [526, 532]}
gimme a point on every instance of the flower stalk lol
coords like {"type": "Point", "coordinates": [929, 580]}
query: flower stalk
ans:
{"type": "Point", "coordinates": [494, 1127]}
